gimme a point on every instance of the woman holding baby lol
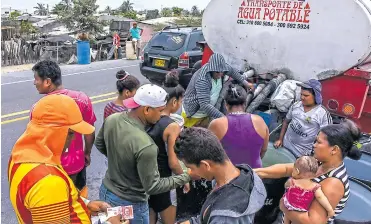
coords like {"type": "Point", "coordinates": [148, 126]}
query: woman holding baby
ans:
{"type": "Point", "coordinates": [333, 144]}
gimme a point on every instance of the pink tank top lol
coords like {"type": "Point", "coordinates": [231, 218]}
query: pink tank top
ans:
{"type": "Point", "coordinates": [299, 199]}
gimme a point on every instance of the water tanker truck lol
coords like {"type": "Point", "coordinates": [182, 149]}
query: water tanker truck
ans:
{"type": "Point", "coordinates": [274, 41]}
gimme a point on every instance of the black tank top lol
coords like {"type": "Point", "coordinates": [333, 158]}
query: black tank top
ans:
{"type": "Point", "coordinates": [157, 132]}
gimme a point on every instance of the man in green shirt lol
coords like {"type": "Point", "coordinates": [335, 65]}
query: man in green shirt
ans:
{"type": "Point", "coordinates": [132, 172]}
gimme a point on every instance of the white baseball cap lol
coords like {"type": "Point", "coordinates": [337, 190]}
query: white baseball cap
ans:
{"type": "Point", "coordinates": [148, 95]}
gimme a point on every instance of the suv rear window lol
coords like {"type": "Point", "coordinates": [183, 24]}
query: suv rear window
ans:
{"type": "Point", "coordinates": [192, 44]}
{"type": "Point", "coordinates": [168, 41]}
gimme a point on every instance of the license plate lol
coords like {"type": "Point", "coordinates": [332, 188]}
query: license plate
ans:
{"type": "Point", "coordinates": [159, 63]}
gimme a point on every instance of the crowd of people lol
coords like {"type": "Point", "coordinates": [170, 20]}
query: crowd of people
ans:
{"type": "Point", "coordinates": [151, 151]}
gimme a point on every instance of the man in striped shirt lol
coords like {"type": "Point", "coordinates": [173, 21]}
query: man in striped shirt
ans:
{"type": "Point", "coordinates": [204, 89]}
{"type": "Point", "coordinates": [40, 190]}
{"type": "Point", "coordinates": [48, 80]}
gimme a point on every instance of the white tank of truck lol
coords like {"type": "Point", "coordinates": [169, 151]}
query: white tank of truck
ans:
{"type": "Point", "coordinates": [304, 38]}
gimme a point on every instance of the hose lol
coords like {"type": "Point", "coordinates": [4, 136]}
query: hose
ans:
{"type": "Point", "coordinates": [272, 85]}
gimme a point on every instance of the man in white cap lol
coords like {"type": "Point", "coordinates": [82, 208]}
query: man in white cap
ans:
{"type": "Point", "coordinates": [132, 173]}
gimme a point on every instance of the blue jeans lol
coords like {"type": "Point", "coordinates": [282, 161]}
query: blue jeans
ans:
{"type": "Point", "coordinates": [141, 209]}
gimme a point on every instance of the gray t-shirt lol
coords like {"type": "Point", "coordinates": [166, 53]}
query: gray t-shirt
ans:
{"type": "Point", "coordinates": [304, 127]}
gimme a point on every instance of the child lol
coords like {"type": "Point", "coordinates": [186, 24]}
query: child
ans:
{"type": "Point", "coordinates": [126, 85]}
{"type": "Point", "coordinates": [301, 191]}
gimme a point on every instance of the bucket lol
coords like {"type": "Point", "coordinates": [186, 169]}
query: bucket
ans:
{"type": "Point", "coordinates": [357, 210]}
{"type": "Point", "coordinates": [275, 187]}
{"type": "Point", "coordinates": [360, 169]}
{"type": "Point", "coordinates": [83, 52]}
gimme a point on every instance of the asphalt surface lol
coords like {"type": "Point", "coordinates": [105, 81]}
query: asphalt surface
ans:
{"type": "Point", "coordinates": [18, 94]}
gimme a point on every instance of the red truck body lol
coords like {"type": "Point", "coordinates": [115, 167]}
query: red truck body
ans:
{"type": "Point", "coordinates": [347, 95]}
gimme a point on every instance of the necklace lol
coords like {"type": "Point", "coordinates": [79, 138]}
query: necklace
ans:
{"type": "Point", "coordinates": [237, 113]}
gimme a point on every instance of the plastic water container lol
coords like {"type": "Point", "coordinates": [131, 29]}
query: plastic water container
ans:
{"type": "Point", "coordinates": [266, 117]}
{"type": "Point", "coordinates": [83, 52]}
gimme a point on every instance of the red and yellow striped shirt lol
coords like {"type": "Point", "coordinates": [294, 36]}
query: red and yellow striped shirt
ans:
{"type": "Point", "coordinates": [43, 193]}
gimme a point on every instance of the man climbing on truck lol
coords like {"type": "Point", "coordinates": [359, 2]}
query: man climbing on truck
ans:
{"type": "Point", "coordinates": [204, 89]}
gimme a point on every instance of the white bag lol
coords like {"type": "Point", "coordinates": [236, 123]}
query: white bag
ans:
{"type": "Point", "coordinates": [285, 95]}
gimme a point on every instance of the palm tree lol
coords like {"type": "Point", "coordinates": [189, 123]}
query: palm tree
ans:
{"type": "Point", "coordinates": [126, 6]}
{"type": "Point", "coordinates": [108, 10]}
{"type": "Point", "coordinates": [195, 11]}
{"type": "Point", "coordinates": [67, 3]}
{"type": "Point", "coordinates": [41, 10]}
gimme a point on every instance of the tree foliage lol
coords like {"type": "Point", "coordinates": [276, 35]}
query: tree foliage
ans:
{"type": "Point", "coordinates": [108, 10]}
{"type": "Point", "coordinates": [14, 15]}
{"type": "Point", "coordinates": [126, 6]}
{"type": "Point", "coordinates": [130, 15]}
{"type": "Point", "coordinates": [27, 27]}
{"type": "Point", "coordinates": [41, 10]}
{"type": "Point", "coordinates": [61, 7]}
{"type": "Point", "coordinates": [166, 12]}
{"type": "Point", "coordinates": [152, 14]}
{"type": "Point", "coordinates": [195, 11]}
{"type": "Point", "coordinates": [177, 11]}
{"type": "Point", "coordinates": [186, 13]}
{"type": "Point", "coordinates": [81, 17]}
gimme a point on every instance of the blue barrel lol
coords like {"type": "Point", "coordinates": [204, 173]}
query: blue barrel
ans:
{"type": "Point", "coordinates": [358, 207]}
{"type": "Point", "coordinates": [83, 52]}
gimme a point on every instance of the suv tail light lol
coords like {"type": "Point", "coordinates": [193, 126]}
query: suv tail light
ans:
{"type": "Point", "coordinates": [183, 60]}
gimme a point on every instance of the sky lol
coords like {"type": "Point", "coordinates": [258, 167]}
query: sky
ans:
{"type": "Point", "coordinates": [138, 4]}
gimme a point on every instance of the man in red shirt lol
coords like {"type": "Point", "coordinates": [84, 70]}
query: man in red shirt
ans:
{"type": "Point", "coordinates": [48, 80]}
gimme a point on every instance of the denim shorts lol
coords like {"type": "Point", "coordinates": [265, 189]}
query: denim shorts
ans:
{"type": "Point", "coordinates": [141, 209]}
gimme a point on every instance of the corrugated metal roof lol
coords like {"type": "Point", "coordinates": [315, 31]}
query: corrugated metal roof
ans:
{"type": "Point", "coordinates": [43, 23]}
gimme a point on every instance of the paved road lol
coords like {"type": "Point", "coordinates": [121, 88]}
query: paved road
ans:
{"type": "Point", "coordinates": [18, 94]}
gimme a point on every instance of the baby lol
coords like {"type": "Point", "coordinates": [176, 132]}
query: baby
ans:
{"type": "Point", "coordinates": [301, 190]}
